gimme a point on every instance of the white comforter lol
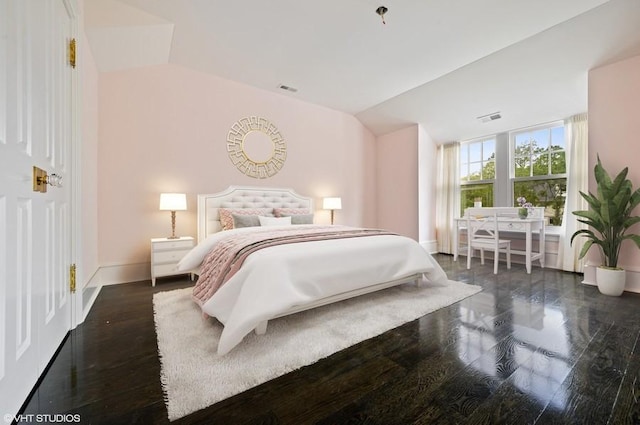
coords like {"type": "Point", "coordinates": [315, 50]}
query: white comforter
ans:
{"type": "Point", "coordinates": [275, 279]}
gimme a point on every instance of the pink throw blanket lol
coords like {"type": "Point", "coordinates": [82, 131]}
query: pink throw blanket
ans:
{"type": "Point", "coordinates": [226, 258]}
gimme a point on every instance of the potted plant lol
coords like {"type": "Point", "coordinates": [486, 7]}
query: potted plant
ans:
{"type": "Point", "coordinates": [524, 207]}
{"type": "Point", "coordinates": [609, 217]}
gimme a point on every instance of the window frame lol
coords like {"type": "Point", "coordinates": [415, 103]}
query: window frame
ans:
{"type": "Point", "coordinates": [465, 145]}
{"type": "Point", "coordinates": [504, 181]}
{"type": "Point", "coordinates": [479, 140]}
{"type": "Point", "coordinates": [512, 146]}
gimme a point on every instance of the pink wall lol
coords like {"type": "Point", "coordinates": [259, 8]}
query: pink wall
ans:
{"type": "Point", "coordinates": [163, 129]}
{"type": "Point", "coordinates": [88, 250]}
{"type": "Point", "coordinates": [397, 176]}
{"type": "Point", "coordinates": [614, 132]}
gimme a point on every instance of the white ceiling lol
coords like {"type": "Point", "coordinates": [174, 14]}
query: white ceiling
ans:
{"type": "Point", "coordinates": [437, 63]}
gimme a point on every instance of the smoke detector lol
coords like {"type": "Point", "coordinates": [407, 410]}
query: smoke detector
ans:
{"type": "Point", "coordinates": [490, 117]}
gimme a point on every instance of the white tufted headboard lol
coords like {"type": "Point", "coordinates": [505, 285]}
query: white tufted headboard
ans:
{"type": "Point", "coordinates": [244, 197]}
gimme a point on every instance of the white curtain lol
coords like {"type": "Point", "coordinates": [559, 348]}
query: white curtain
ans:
{"type": "Point", "coordinates": [576, 136]}
{"type": "Point", "coordinates": [447, 195]}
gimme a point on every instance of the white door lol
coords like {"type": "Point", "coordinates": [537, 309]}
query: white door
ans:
{"type": "Point", "coordinates": [35, 250]}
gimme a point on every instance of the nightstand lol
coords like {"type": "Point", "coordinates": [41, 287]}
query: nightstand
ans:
{"type": "Point", "coordinates": [165, 255]}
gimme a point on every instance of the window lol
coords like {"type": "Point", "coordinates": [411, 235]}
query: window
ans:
{"type": "Point", "coordinates": [538, 164]}
{"type": "Point", "coordinates": [477, 172]}
{"type": "Point", "coordinates": [529, 163]}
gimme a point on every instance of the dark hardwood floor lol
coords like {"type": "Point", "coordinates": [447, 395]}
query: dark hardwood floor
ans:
{"type": "Point", "coordinates": [539, 348]}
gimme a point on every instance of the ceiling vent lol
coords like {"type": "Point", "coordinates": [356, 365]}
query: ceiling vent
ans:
{"type": "Point", "coordinates": [490, 117]}
{"type": "Point", "coordinates": [287, 88]}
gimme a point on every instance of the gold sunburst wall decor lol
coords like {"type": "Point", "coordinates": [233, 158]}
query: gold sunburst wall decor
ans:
{"type": "Point", "coordinates": [256, 147]}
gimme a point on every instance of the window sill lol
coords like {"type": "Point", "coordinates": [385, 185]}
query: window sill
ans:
{"type": "Point", "coordinates": [553, 231]}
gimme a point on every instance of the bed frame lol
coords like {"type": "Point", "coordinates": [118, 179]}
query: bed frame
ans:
{"type": "Point", "coordinates": [258, 197]}
{"type": "Point", "coordinates": [243, 197]}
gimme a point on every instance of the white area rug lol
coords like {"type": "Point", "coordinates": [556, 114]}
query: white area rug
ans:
{"type": "Point", "coordinates": [194, 376]}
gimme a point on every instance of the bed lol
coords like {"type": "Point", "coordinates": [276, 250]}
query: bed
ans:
{"type": "Point", "coordinates": [315, 265]}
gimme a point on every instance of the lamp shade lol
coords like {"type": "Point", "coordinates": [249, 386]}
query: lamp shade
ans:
{"type": "Point", "coordinates": [173, 202]}
{"type": "Point", "coordinates": [332, 203]}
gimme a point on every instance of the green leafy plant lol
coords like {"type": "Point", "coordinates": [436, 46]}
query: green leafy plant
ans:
{"type": "Point", "coordinates": [609, 215]}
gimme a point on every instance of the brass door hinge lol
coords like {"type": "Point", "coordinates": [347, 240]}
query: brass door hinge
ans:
{"type": "Point", "coordinates": [72, 52]}
{"type": "Point", "coordinates": [72, 278]}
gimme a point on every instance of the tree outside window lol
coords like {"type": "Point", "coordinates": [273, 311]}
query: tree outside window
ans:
{"type": "Point", "coordinates": [477, 172]}
{"type": "Point", "coordinates": [539, 169]}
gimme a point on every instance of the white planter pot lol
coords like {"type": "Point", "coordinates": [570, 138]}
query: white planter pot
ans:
{"type": "Point", "coordinates": [610, 281]}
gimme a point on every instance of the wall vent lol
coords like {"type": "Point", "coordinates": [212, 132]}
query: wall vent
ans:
{"type": "Point", "coordinates": [288, 88]}
{"type": "Point", "coordinates": [490, 117]}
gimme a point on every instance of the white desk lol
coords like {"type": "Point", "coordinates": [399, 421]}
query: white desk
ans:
{"type": "Point", "coordinates": [508, 221]}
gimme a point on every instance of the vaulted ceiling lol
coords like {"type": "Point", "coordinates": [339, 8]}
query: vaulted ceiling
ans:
{"type": "Point", "coordinates": [438, 63]}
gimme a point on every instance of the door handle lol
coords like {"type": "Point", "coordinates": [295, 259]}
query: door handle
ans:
{"type": "Point", "coordinates": [41, 179]}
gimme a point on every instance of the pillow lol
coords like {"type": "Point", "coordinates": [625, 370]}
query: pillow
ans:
{"type": "Point", "coordinates": [301, 218]}
{"type": "Point", "coordinates": [283, 212]}
{"type": "Point", "coordinates": [245, 221]}
{"type": "Point", "coordinates": [274, 221]}
{"type": "Point", "coordinates": [226, 218]}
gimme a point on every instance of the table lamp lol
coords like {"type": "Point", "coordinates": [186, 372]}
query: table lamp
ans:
{"type": "Point", "coordinates": [173, 202]}
{"type": "Point", "coordinates": [332, 204]}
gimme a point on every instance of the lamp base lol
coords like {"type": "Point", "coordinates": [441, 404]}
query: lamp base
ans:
{"type": "Point", "coordinates": [173, 226]}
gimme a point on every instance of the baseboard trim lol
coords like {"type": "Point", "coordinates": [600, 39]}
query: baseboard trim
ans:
{"type": "Point", "coordinates": [431, 246]}
{"type": "Point", "coordinates": [92, 282]}
{"type": "Point", "coordinates": [589, 277]}
{"type": "Point", "coordinates": [89, 296]}
{"type": "Point", "coordinates": [115, 274]}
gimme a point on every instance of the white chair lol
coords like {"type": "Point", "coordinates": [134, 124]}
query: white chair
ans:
{"type": "Point", "coordinates": [482, 233]}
